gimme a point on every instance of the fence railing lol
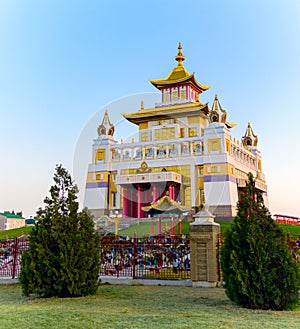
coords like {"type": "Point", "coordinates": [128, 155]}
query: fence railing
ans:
{"type": "Point", "coordinates": [155, 257]}
{"type": "Point", "coordinates": [10, 256]}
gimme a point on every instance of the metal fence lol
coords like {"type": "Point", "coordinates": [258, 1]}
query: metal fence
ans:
{"type": "Point", "coordinates": [155, 257]}
{"type": "Point", "coordinates": [10, 256]}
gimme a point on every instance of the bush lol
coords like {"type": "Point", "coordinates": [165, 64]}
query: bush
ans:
{"type": "Point", "coordinates": [63, 255]}
{"type": "Point", "coordinates": [259, 271]}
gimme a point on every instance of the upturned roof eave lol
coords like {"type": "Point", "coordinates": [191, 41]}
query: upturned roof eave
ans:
{"type": "Point", "coordinates": [167, 111]}
{"type": "Point", "coordinates": [160, 83]}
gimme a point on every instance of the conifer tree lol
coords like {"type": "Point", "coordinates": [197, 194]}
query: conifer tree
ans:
{"type": "Point", "coordinates": [259, 271]}
{"type": "Point", "coordinates": [63, 255]}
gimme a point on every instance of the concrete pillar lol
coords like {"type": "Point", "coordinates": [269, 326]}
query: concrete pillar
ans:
{"type": "Point", "coordinates": [205, 262]}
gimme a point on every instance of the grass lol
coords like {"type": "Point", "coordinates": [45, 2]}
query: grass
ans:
{"type": "Point", "coordinates": [122, 307]}
{"type": "Point", "coordinates": [8, 234]}
{"type": "Point", "coordinates": [145, 228]}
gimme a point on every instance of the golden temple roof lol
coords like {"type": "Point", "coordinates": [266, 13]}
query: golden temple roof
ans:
{"type": "Point", "coordinates": [179, 75]}
{"type": "Point", "coordinates": [165, 204]}
{"type": "Point", "coordinates": [189, 109]}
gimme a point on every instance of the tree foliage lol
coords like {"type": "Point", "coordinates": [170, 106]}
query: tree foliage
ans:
{"type": "Point", "coordinates": [63, 255]}
{"type": "Point", "coordinates": [259, 271]}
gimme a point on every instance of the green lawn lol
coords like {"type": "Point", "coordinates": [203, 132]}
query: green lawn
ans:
{"type": "Point", "coordinates": [8, 234]}
{"type": "Point", "coordinates": [122, 307]}
{"type": "Point", "coordinates": [145, 228]}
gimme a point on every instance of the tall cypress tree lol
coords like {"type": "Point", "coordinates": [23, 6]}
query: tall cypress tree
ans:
{"type": "Point", "coordinates": [259, 271]}
{"type": "Point", "coordinates": [63, 255]}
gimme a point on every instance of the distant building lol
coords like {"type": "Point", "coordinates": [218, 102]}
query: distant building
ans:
{"type": "Point", "coordinates": [30, 221]}
{"type": "Point", "coordinates": [185, 151]}
{"type": "Point", "coordinates": [10, 220]}
{"type": "Point", "coordinates": [286, 219]}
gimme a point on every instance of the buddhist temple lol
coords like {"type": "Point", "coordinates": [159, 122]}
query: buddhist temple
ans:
{"type": "Point", "coordinates": [185, 152]}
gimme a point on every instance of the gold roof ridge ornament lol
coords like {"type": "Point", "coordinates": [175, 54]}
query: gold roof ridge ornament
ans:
{"type": "Point", "coordinates": [180, 58]}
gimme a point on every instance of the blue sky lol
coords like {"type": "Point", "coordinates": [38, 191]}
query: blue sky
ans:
{"type": "Point", "coordinates": [63, 61]}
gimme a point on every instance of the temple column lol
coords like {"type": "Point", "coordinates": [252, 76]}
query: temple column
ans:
{"type": "Point", "coordinates": [155, 193]}
{"type": "Point", "coordinates": [179, 227]}
{"type": "Point", "coordinates": [134, 203]}
{"type": "Point", "coordinates": [171, 191]}
{"type": "Point", "coordinates": [172, 226]}
{"type": "Point", "coordinates": [158, 226]}
{"type": "Point", "coordinates": [152, 226]}
{"type": "Point", "coordinates": [125, 202]}
{"type": "Point", "coordinates": [140, 202]}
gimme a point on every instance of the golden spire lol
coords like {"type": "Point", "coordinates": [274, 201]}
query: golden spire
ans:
{"type": "Point", "coordinates": [106, 128]}
{"type": "Point", "coordinates": [217, 114]}
{"type": "Point", "coordinates": [249, 129]}
{"type": "Point", "coordinates": [249, 139]}
{"type": "Point", "coordinates": [216, 102]}
{"type": "Point", "coordinates": [179, 58]}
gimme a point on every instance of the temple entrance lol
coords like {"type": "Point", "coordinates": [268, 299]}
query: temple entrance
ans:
{"type": "Point", "coordinates": [143, 189]}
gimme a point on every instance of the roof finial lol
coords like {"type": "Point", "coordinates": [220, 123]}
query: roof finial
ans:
{"type": "Point", "coordinates": [179, 58]}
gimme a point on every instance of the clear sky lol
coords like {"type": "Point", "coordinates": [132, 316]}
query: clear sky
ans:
{"type": "Point", "coordinates": [63, 61]}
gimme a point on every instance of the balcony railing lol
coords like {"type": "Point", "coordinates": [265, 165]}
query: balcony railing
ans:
{"type": "Point", "coordinates": [155, 177]}
{"type": "Point", "coordinates": [182, 147]}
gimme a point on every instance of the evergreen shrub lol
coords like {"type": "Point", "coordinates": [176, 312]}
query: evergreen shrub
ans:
{"type": "Point", "coordinates": [63, 255]}
{"type": "Point", "coordinates": [259, 270]}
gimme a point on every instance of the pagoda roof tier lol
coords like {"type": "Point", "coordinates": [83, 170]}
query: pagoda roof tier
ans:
{"type": "Point", "coordinates": [179, 75]}
{"type": "Point", "coordinates": [174, 111]}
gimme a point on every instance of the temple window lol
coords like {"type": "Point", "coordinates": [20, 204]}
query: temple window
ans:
{"type": "Point", "coordinates": [100, 155]}
{"type": "Point", "coordinates": [182, 94]}
{"type": "Point", "coordinates": [164, 133]}
{"type": "Point", "coordinates": [175, 95]}
{"type": "Point", "coordinates": [214, 169]}
{"type": "Point", "coordinates": [182, 134]}
{"type": "Point", "coordinates": [167, 96]}
{"type": "Point", "coordinates": [144, 137]}
{"type": "Point", "coordinates": [193, 132]}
